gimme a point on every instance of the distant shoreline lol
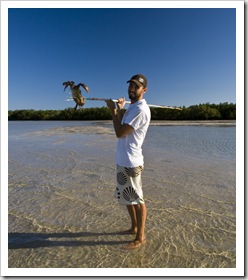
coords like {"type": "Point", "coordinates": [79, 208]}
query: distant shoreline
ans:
{"type": "Point", "coordinates": [195, 123]}
{"type": "Point", "coordinates": [184, 123]}
{"type": "Point", "coordinates": [155, 122]}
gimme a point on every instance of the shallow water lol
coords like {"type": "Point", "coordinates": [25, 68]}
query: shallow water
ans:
{"type": "Point", "coordinates": [62, 212]}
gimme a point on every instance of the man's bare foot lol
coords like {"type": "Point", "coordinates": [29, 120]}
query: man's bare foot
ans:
{"type": "Point", "coordinates": [134, 244]}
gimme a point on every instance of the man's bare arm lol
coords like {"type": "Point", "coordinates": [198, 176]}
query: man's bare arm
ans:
{"type": "Point", "coordinates": [117, 115]}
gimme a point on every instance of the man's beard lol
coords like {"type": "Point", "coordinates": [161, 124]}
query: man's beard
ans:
{"type": "Point", "coordinates": [132, 95]}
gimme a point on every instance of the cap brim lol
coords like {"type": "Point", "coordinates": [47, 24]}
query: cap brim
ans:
{"type": "Point", "coordinates": [136, 82]}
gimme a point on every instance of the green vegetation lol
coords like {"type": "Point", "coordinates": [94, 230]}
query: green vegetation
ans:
{"type": "Point", "coordinates": [222, 111]}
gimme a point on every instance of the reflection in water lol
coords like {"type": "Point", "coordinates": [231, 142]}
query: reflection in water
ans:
{"type": "Point", "coordinates": [62, 212]}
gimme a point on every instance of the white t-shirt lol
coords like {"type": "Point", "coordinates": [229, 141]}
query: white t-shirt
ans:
{"type": "Point", "coordinates": [129, 151]}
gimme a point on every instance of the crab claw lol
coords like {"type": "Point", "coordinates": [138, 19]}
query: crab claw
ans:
{"type": "Point", "coordinates": [84, 86]}
{"type": "Point", "coordinates": [68, 83]}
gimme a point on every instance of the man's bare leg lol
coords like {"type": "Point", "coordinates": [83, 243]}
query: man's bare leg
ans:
{"type": "Point", "coordinates": [132, 214]}
{"type": "Point", "coordinates": [141, 220]}
{"type": "Point", "coordinates": [141, 213]}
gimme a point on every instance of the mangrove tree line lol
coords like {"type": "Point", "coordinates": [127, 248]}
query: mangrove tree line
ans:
{"type": "Point", "coordinates": [222, 111]}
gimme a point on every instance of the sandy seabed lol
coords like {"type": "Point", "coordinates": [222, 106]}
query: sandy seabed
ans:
{"type": "Point", "coordinates": [62, 212]}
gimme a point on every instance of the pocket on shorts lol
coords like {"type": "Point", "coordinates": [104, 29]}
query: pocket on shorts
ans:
{"type": "Point", "coordinates": [134, 171]}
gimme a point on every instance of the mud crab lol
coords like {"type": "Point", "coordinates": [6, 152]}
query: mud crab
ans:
{"type": "Point", "coordinates": [76, 92]}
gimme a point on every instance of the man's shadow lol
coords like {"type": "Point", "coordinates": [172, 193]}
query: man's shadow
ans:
{"type": "Point", "coordinates": [18, 240]}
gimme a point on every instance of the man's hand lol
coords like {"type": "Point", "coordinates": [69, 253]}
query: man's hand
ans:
{"type": "Point", "coordinates": [110, 103]}
{"type": "Point", "coordinates": [121, 103]}
{"type": "Point", "coordinates": [120, 130]}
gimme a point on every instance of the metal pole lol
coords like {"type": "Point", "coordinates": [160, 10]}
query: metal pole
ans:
{"type": "Point", "coordinates": [128, 102]}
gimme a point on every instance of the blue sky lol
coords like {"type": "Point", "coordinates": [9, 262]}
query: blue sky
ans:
{"type": "Point", "coordinates": [187, 54]}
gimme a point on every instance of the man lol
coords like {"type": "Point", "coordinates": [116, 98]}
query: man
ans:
{"type": "Point", "coordinates": [130, 128]}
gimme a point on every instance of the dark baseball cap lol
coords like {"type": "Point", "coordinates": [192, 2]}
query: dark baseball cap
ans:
{"type": "Point", "coordinates": [139, 79]}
